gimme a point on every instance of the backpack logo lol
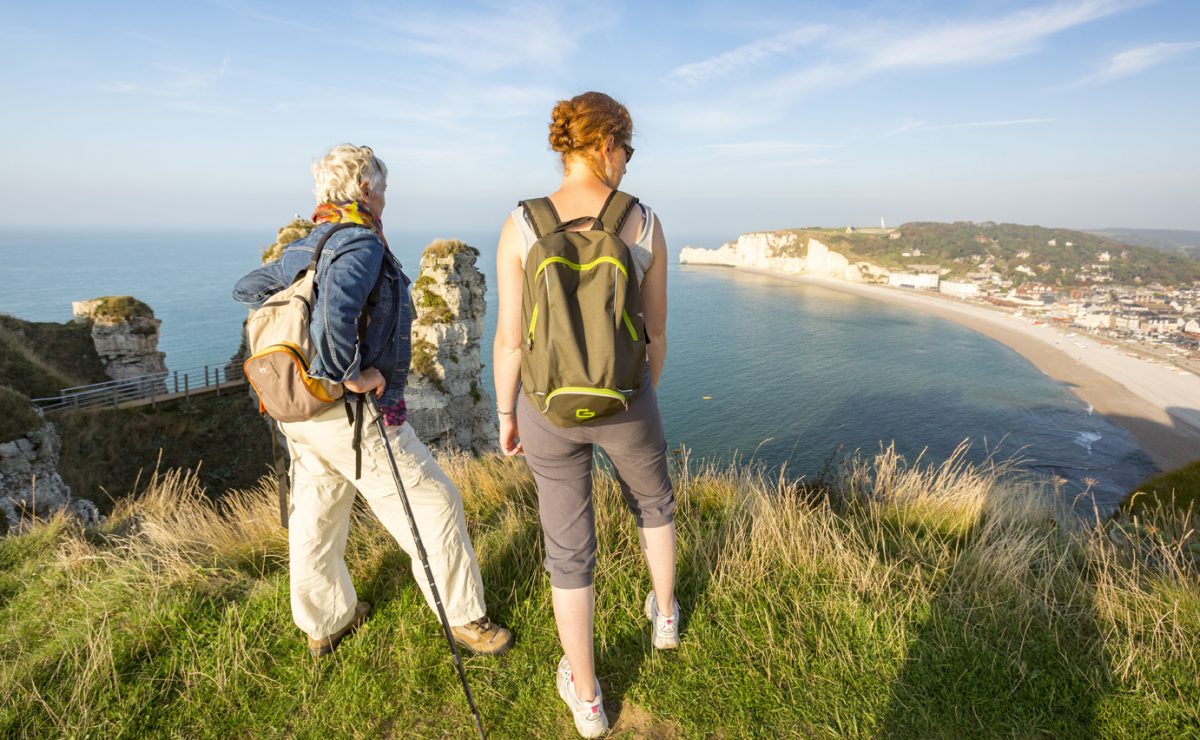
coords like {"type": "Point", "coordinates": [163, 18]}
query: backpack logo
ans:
{"type": "Point", "coordinates": [584, 414]}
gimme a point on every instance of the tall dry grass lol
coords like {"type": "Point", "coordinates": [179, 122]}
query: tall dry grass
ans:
{"type": "Point", "coordinates": [796, 586]}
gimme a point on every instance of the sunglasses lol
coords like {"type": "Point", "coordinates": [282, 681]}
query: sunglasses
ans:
{"type": "Point", "coordinates": [628, 151]}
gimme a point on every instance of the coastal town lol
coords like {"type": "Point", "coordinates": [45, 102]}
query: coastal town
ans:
{"type": "Point", "coordinates": [1137, 299]}
{"type": "Point", "coordinates": [1160, 320]}
{"type": "Point", "coordinates": [1078, 312]}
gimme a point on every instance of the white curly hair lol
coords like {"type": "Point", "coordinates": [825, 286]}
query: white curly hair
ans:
{"type": "Point", "coordinates": [339, 174]}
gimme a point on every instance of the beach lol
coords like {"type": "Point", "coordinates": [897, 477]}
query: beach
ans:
{"type": "Point", "coordinates": [1157, 403]}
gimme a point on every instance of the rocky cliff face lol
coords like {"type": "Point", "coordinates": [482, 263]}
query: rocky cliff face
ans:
{"type": "Point", "coordinates": [777, 252]}
{"type": "Point", "coordinates": [30, 484]}
{"type": "Point", "coordinates": [125, 333]}
{"type": "Point", "coordinates": [447, 404]}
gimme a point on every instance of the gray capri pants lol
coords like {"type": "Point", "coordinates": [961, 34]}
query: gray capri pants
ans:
{"type": "Point", "coordinates": [561, 461]}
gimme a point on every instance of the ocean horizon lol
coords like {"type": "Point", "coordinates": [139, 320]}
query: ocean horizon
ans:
{"type": "Point", "coordinates": [759, 369]}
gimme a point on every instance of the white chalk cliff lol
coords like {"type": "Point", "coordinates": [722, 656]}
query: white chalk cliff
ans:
{"type": "Point", "coordinates": [30, 485]}
{"type": "Point", "coordinates": [782, 251]}
{"type": "Point", "coordinates": [125, 334]}
{"type": "Point", "coordinates": [447, 403]}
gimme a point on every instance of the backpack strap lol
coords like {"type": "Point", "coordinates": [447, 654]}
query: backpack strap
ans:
{"type": "Point", "coordinates": [312, 264]}
{"type": "Point", "coordinates": [541, 215]}
{"type": "Point", "coordinates": [616, 209]}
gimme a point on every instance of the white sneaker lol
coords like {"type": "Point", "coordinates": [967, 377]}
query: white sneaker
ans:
{"type": "Point", "coordinates": [590, 719]}
{"type": "Point", "coordinates": [665, 634]}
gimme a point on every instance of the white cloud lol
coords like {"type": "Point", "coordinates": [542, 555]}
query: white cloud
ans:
{"type": "Point", "coordinates": [173, 81]}
{"type": "Point", "coordinates": [1133, 61]}
{"type": "Point", "coordinates": [772, 147]}
{"type": "Point", "coordinates": [976, 41]}
{"type": "Point", "coordinates": [913, 125]}
{"type": "Point", "coordinates": [509, 35]}
{"type": "Point", "coordinates": [993, 124]}
{"type": "Point", "coordinates": [799, 163]}
{"type": "Point", "coordinates": [744, 56]}
{"type": "Point", "coordinates": [988, 40]}
{"type": "Point", "coordinates": [904, 128]}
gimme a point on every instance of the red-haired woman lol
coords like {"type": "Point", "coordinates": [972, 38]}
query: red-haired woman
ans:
{"type": "Point", "coordinates": [592, 133]}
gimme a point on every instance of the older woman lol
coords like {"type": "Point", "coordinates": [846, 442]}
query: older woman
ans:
{"type": "Point", "coordinates": [350, 186]}
{"type": "Point", "coordinates": [592, 133]}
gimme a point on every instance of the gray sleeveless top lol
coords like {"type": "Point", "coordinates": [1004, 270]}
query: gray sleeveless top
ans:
{"type": "Point", "coordinates": [641, 250]}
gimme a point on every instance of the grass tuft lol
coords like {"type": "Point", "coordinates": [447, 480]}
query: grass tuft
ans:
{"type": "Point", "coordinates": [897, 600]}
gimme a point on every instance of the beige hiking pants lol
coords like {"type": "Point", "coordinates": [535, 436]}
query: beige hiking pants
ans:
{"type": "Point", "coordinates": [323, 487]}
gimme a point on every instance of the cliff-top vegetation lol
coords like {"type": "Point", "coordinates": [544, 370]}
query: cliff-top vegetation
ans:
{"type": "Point", "coordinates": [893, 601]}
{"type": "Point", "coordinates": [115, 309]}
{"type": "Point", "coordinates": [962, 246]}
{"type": "Point", "coordinates": [442, 248]}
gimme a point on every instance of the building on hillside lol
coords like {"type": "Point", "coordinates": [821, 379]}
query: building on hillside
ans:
{"type": "Point", "coordinates": [1095, 320]}
{"type": "Point", "coordinates": [959, 290]}
{"type": "Point", "coordinates": [1034, 290]}
{"type": "Point", "coordinates": [1158, 324]}
{"type": "Point", "coordinates": [914, 280]}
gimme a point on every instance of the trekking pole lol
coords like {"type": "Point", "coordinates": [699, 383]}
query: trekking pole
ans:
{"type": "Point", "coordinates": [437, 599]}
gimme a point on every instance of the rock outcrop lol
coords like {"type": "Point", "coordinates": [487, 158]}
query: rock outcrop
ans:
{"type": "Point", "coordinates": [125, 333]}
{"type": "Point", "coordinates": [447, 403]}
{"type": "Point", "coordinates": [30, 485]}
{"type": "Point", "coordinates": [783, 252]}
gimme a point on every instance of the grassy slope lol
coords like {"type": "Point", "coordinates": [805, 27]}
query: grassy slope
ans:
{"type": "Point", "coordinates": [105, 453]}
{"type": "Point", "coordinates": [1179, 489]}
{"type": "Point", "coordinates": [914, 604]}
{"type": "Point", "coordinates": [40, 359]}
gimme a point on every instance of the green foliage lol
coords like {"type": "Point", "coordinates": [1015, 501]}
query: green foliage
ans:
{"type": "Point", "coordinates": [1185, 243]}
{"type": "Point", "coordinates": [1175, 489]}
{"type": "Point", "coordinates": [431, 307]}
{"type": "Point", "coordinates": [40, 359]}
{"type": "Point", "coordinates": [442, 248]}
{"type": "Point", "coordinates": [296, 229]}
{"type": "Point", "coordinates": [16, 415]}
{"type": "Point", "coordinates": [956, 245]}
{"type": "Point", "coordinates": [107, 452]}
{"type": "Point", "coordinates": [118, 308]}
{"type": "Point", "coordinates": [424, 363]}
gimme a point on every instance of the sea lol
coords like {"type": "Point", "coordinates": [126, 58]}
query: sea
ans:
{"type": "Point", "coordinates": [760, 370]}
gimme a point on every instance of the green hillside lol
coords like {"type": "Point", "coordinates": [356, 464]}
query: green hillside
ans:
{"type": "Point", "coordinates": [962, 245]}
{"type": "Point", "coordinates": [1177, 241]}
{"type": "Point", "coordinates": [40, 359]}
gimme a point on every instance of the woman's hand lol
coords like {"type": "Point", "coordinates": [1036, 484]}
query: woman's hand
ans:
{"type": "Point", "coordinates": [371, 380]}
{"type": "Point", "coordinates": [510, 436]}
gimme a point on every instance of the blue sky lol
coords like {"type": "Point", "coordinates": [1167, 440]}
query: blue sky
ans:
{"type": "Point", "coordinates": [1076, 113]}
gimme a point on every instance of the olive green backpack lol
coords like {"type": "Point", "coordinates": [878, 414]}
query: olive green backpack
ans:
{"type": "Point", "coordinates": [585, 346]}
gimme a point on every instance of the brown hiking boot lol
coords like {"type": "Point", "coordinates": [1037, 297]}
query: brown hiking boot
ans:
{"type": "Point", "coordinates": [325, 646]}
{"type": "Point", "coordinates": [483, 637]}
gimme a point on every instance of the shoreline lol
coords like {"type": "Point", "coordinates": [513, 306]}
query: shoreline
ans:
{"type": "Point", "coordinates": [1159, 406]}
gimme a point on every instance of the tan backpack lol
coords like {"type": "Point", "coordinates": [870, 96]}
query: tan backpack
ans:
{"type": "Point", "coordinates": [281, 349]}
{"type": "Point", "coordinates": [585, 348]}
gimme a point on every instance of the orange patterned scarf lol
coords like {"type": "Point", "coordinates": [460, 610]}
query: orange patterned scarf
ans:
{"type": "Point", "coordinates": [351, 211]}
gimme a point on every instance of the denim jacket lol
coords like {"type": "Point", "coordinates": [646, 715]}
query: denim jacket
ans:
{"type": "Point", "coordinates": [346, 274]}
